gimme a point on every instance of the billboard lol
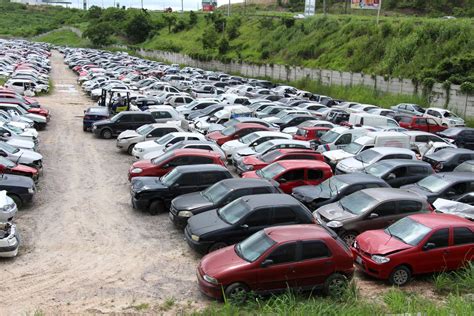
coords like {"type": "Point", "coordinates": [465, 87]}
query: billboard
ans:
{"type": "Point", "coordinates": [365, 4]}
{"type": "Point", "coordinates": [209, 5]}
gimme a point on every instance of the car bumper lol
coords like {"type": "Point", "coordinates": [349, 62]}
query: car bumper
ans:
{"type": "Point", "coordinates": [138, 204]}
{"type": "Point", "coordinates": [178, 221]}
{"type": "Point", "coordinates": [368, 266]}
{"type": "Point", "coordinates": [208, 289]}
{"type": "Point", "coordinates": [198, 246]}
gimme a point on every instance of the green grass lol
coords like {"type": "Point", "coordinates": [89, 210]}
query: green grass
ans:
{"type": "Point", "coordinates": [461, 281]}
{"type": "Point", "coordinates": [63, 37]}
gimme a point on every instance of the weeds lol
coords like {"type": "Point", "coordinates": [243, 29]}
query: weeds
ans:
{"type": "Point", "coordinates": [460, 282]}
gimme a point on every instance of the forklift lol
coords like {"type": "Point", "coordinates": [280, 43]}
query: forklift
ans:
{"type": "Point", "coordinates": [118, 100]}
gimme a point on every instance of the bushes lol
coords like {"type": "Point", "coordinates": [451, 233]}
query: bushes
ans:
{"type": "Point", "coordinates": [99, 34]}
{"type": "Point", "coordinates": [138, 27]}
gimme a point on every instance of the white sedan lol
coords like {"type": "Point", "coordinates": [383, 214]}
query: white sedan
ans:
{"type": "Point", "coordinates": [251, 140]}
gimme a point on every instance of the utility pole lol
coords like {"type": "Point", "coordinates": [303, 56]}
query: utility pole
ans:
{"type": "Point", "coordinates": [378, 11]}
{"type": "Point", "coordinates": [84, 4]}
{"type": "Point", "coordinates": [142, 4]}
{"type": "Point", "coordinates": [182, 6]}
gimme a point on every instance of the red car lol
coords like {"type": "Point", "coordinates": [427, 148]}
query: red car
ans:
{"type": "Point", "coordinates": [419, 123]}
{"type": "Point", "coordinates": [416, 244]}
{"type": "Point", "coordinates": [234, 132]}
{"type": "Point", "coordinates": [273, 259]}
{"type": "Point", "coordinates": [254, 162]}
{"type": "Point", "coordinates": [161, 165]}
{"type": "Point", "coordinates": [40, 111]}
{"type": "Point", "coordinates": [9, 167]}
{"type": "Point", "coordinates": [310, 133]}
{"type": "Point", "coordinates": [293, 173]}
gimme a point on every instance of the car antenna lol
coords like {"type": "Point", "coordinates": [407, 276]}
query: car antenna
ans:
{"type": "Point", "coordinates": [19, 157]}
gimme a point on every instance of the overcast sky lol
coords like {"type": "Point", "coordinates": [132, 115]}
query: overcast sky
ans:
{"type": "Point", "coordinates": [149, 4]}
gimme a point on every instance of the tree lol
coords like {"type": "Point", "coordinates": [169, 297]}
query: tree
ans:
{"type": "Point", "coordinates": [209, 38]}
{"type": "Point", "coordinates": [223, 46]}
{"type": "Point", "coordinates": [99, 33]}
{"type": "Point", "coordinates": [138, 27]}
{"type": "Point", "coordinates": [94, 12]}
{"type": "Point", "coordinates": [193, 18]}
{"type": "Point", "coordinates": [170, 20]}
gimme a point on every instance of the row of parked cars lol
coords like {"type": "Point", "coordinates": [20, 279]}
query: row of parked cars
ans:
{"type": "Point", "coordinates": [25, 66]}
{"type": "Point", "coordinates": [279, 187]}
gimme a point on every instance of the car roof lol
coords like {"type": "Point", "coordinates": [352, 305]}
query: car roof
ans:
{"type": "Point", "coordinates": [134, 112]}
{"type": "Point", "coordinates": [392, 150]}
{"type": "Point", "coordinates": [163, 125]}
{"type": "Point", "coordinates": [242, 183]}
{"type": "Point", "coordinates": [403, 162]}
{"type": "Point", "coordinates": [437, 220]}
{"type": "Point", "coordinates": [287, 141]}
{"type": "Point", "coordinates": [296, 151]}
{"type": "Point", "coordinates": [269, 199]}
{"type": "Point", "coordinates": [287, 233]}
{"type": "Point", "coordinates": [299, 163]}
{"type": "Point", "coordinates": [457, 176]}
{"type": "Point", "coordinates": [360, 178]}
{"type": "Point", "coordinates": [385, 194]}
{"type": "Point", "coordinates": [452, 152]}
{"type": "Point", "coordinates": [269, 133]}
{"type": "Point", "coordinates": [248, 125]}
{"type": "Point", "coordinates": [98, 109]}
{"type": "Point", "coordinates": [195, 152]}
{"type": "Point", "coordinates": [204, 168]}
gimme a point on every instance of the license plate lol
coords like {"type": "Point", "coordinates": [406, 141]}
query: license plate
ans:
{"type": "Point", "coordinates": [359, 260]}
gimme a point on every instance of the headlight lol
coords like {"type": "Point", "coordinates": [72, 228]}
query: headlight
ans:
{"type": "Point", "coordinates": [31, 190]}
{"type": "Point", "coordinates": [94, 127]}
{"type": "Point", "coordinates": [185, 214]}
{"type": "Point", "coordinates": [136, 170]}
{"type": "Point", "coordinates": [380, 259]}
{"type": "Point", "coordinates": [138, 149]}
{"type": "Point", "coordinates": [195, 237]}
{"type": "Point", "coordinates": [210, 279]}
{"type": "Point", "coordinates": [334, 224]}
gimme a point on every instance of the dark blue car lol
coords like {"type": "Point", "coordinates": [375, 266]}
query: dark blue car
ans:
{"type": "Point", "coordinates": [94, 114]}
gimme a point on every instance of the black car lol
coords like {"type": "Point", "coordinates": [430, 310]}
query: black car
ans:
{"type": "Point", "coordinates": [218, 195]}
{"type": "Point", "coordinates": [461, 136]}
{"type": "Point", "coordinates": [236, 221]}
{"type": "Point", "coordinates": [94, 114]}
{"type": "Point", "coordinates": [293, 120]}
{"type": "Point", "coordinates": [335, 188]}
{"type": "Point", "coordinates": [447, 185]}
{"type": "Point", "coordinates": [154, 194]}
{"type": "Point", "coordinates": [121, 122]}
{"type": "Point", "coordinates": [449, 158]}
{"type": "Point", "coordinates": [20, 188]}
{"type": "Point", "coordinates": [398, 172]}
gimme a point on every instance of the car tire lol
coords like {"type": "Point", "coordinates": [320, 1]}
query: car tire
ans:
{"type": "Point", "coordinates": [18, 201]}
{"type": "Point", "coordinates": [156, 207]}
{"type": "Point", "coordinates": [106, 134]}
{"type": "Point", "coordinates": [335, 285]}
{"type": "Point", "coordinates": [217, 246]}
{"type": "Point", "coordinates": [349, 237]}
{"type": "Point", "coordinates": [130, 148]}
{"type": "Point", "coordinates": [400, 276]}
{"type": "Point", "coordinates": [236, 292]}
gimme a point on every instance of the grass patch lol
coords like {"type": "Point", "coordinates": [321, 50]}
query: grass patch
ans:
{"type": "Point", "coordinates": [167, 304]}
{"type": "Point", "coordinates": [461, 281]}
{"type": "Point", "coordinates": [140, 307]}
{"type": "Point", "coordinates": [63, 37]}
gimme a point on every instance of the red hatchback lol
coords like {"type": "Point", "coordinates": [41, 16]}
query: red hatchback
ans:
{"type": "Point", "coordinates": [293, 173]}
{"type": "Point", "coordinates": [310, 133]}
{"type": "Point", "coordinates": [419, 123]}
{"type": "Point", "coordinates": [253, 163]}
{"type": "Point", "coordinates": [416, 244]}
{"type": "Point", "coordinates": [161, 165]}
{"type": "Point", "coordinates": [234, 132]}
{"type": "Point", "coordinates": [275, 259]}
{"type": "Point", "coordinates": [9, 167]}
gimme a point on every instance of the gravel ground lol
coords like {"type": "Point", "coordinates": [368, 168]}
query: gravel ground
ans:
{"type": "Point", "coordinates": [84, 249]}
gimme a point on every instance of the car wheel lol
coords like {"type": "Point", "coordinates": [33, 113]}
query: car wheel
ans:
{"type": "Point", "coordinates": [18, 201]}
{"type": "Point", "coordinates": [349, 237]}
{"type": "Point", "coordinates": [130, 148]}
{"type": "Point", "coordinates": [237, 292]}
{"type": "Point", "coordinates": [217, 246]}
{"type": "Point", "coordinates": [156, 207]}
{"type": "Point", "coordinates": [106, 134]}
{"type": "Point", "coordinates": [400, 276]}
{"type": "Point", "coordinates": [335, 285]}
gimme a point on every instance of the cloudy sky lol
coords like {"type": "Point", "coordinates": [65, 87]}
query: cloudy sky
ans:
{"type": "Point", "coordinates": [150, 4]}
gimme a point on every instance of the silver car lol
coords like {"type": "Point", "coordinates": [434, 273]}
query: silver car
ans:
{"type": "Point", "coordinates": [192, 144]}
{"type": "Point", "coordinates": [8, 207]}
{"type": "Point", "coordinates": [129, 138]}
{"type": "Point", "coordinates": [9, 241]}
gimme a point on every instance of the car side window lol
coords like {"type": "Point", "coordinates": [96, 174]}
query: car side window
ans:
{"type": "Point", "coordinates": [283, 254]}
{"type": "Point", "coordinates": [198, 160]}
{"type": "Point", "coordinates": [193, 138]}
{"type": "Point", "coordinates": [385, 209]}
{"type": "Point", "coordinates": [314, 174]}
{"type": "Point", "coordinates": [415, 170]}
{"type": "Point", "coordinates": [178, 161]}
{"type": "Point", "coordinates": [314, 250]}
{"type": "Point", "coordinates": [463, 158]}
{"type": "Point", "coordinates": [204, 147]}
{"type": "Point", "coordinates": [127, 118]}
{"type": "Point", "coordinates": [293, 175]}
{"type": "Point", "coordinates": [440, 238]}
{"type": "Point", "coordinates": [210, 177]}
{"type": "Point", "coordinates": [344, 139]}
{"type": "Point", "coordinates": [188, 179]}
{"type": "Point", "coordinates": [260, 217]}
{"type": "Point", "coordinates": [261, 190]}
{"type": "Point", "coordinates": [463, 235]}
{"type": "Point", "coordinates": [284, 215]}
{"type": "Point", "coordinates": [176, 140]}
{"type": "Point", "coordinates": [409, 206]}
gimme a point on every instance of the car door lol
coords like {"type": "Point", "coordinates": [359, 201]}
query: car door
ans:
{"type": "Point", "coordinates": [462, 249]}
{"type": "Point", "coordinates": [314, 263]}
{"type": "Point", "coordinates": [186, 183]}
{"type": "Point", "coordinates": [380, 217]}
{"type": "Point", "coordinates": [291, 179]}
{"type": "Point", "coordinates": [397, 177]}
{"type": "Point", "coordinates": [280, 272]}
{"type": "Point", "coordinates": [433, 126]}
{"type": "Point", "coordinates": [313, 177]}
{"type": "Point", "coordinates": [161, 116]}
{"type": "Point", "coordinates": [434, 257]}
{"type": "Point", "coordinates": [125, 122]}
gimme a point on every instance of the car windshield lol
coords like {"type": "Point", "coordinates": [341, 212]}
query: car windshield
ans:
{"type": "Point", "coordinates": [164, 139]}
{"type": "Point", "coordinates": [264, 147]}
{"type": "Point", "coordinates": [368, 156]}
{"type": "Point", "coordinates": [191, 105]}
{"type": "Point", "coordinates": [271, 156]}
{"type": "Point", "coordinates": [215, 193]}
{"type": "Point", "coordinates": [352, 148]}
{"type": "Point", "coordinates": [161, 158]}
{"type": "Point", "coordinates": [268, 109]}
{"type": "Point", "coordinates": [229, 130]}
{"type": "Point", "coordinates": [332, 186]}
{"type": "Point", "coordinates": [9, 148]}
{"type": "Point", "coordinates": [329, 137]}
{"type": "Point", "coordinates": [253, 247]}
{"type": "Point", "coordinates": [408, 230]}
{"type": "Point", "coordinates": [233, 212]}
{"type": "Point", "coordinates": [15, 129]}
{"type": "Point", "coordinates": [170, 178]}
{"type": "Point", "coordinates": [145, 129]}
{"type": "Point", "coordinates": [231, 122]}
{"type": "Point", "coordinates": [270, 171]}
{"type": "Point", "coordinates": [249, 138]}
{"type": "Point", "coordinates": [115, 117]}
{"type": "Point", "coordinates": [450, 114]}
{"type": "Point", "coordinates": [7, 163]}
{"type": "Point", "coordinates": [357, 203]}
{"type": "Point", "coordinates": [433, 184]}
{"type": "Point", "coordinates": [378, 169]}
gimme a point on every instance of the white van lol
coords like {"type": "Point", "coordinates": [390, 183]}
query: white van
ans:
{"type": "Point", "coordinates": [361, 119]}
{"type": "Point", "coordinates": [338, 138]}
{"type": "Point", "coordinates": [371, 140]}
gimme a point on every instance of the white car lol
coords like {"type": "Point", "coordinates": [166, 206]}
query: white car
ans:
{"type": "Point", "coordinates": [9, 241]}
{"type": "Point", "coordinates": [143, 148]}
{"type": "Point", "coordinates": [444, 117]}
{"type": "Point", "coordinates": [198, 104]}
{"type": "Point", "coordinates": [269, 145]}
{"type": "Point", "coordinates": [164, 113]}
{"type": "Point", "coordinates": [251, 140]}
{"type": "Point", "coordinates": [8, 208]}
{"type": "Point", "coordinates": [21, 156]}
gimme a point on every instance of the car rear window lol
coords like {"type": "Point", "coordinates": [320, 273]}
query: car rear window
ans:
{"type": "Point", "coordinates": [314, 250]}
{"type": "Point", "coordinates": [463, 235]}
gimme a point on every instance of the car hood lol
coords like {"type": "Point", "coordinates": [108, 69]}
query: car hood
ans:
{"type": "Point", "coordinates": [377, 242]}
{"type": "Point", "coordinates": [221, 261]}
{"type": "Point", "coordinates": [290, 130]}
{"type": "Point", "coordinates": [128, 134]}
{"type": "Point", "coordinates": [215, 135]}
{"type": "Point", "coordinates": [24, 169]}
{"type": "Point", "coordinates": [233, 144]}
{"type": "Point", "coordinates": [253, 160]}
{"type": "Point", "coordinates": [149, 144]}
{"type": "Point", "coordinates": [206, 222]}
{"type": "Point", "coordinates": [102, 122]}
{"type": "Point", "coordinates": [417, 189]}
{"type": "Point", "coordinates": [21, 143]}
{"type": "Point", "coordinates": [153, 154]}
{"type": "Point", "coordinates": [17, 181]}
{"type": "Point", "coordinates": [334, 212]}
{"type": "Point", "coordinates": [28, 156]}
{"type": "Point", "coordinates": [140, 184]}
{"type": "Point", "coordinates": [351, 164]}
{"type": "Point", "coordinates": [308, 193]}
{"type": "Point", "coordinates": [337, 155]}
{"type": "Point", "coordinates": [191, 201]}
{"type": "Point", "coordinates": [36, 117]}
{"type": "Point", "coordinates": [272, 119]}
{"type": "Point", "coordinates": [455, 208]}
{"type": "Point", "coordinates": [246, 151]}
{"type": "Point", "coordinates": [215, 127]}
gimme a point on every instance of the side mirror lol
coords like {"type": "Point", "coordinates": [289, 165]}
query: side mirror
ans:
{"type": "Point", "coordinates": [149, 135]}
{"type": "Point", "coordinates": [6, 135]}
{"type": "Point", "coordinates": [373, 215]}
{"type": "Point", "coordinates": [244, 226]}
{"type": "Point", "coordinates": [429, 246]}
{"type": "Point", "coordinates": [282, 180]}
{"type": "Point", "coordinates": [391, 176]}
{"type": "Point", "coordinates": [266, 263]}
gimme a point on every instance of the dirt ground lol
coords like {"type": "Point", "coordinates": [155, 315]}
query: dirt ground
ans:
{"type": "Point", "coordinates": [84, 249]}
